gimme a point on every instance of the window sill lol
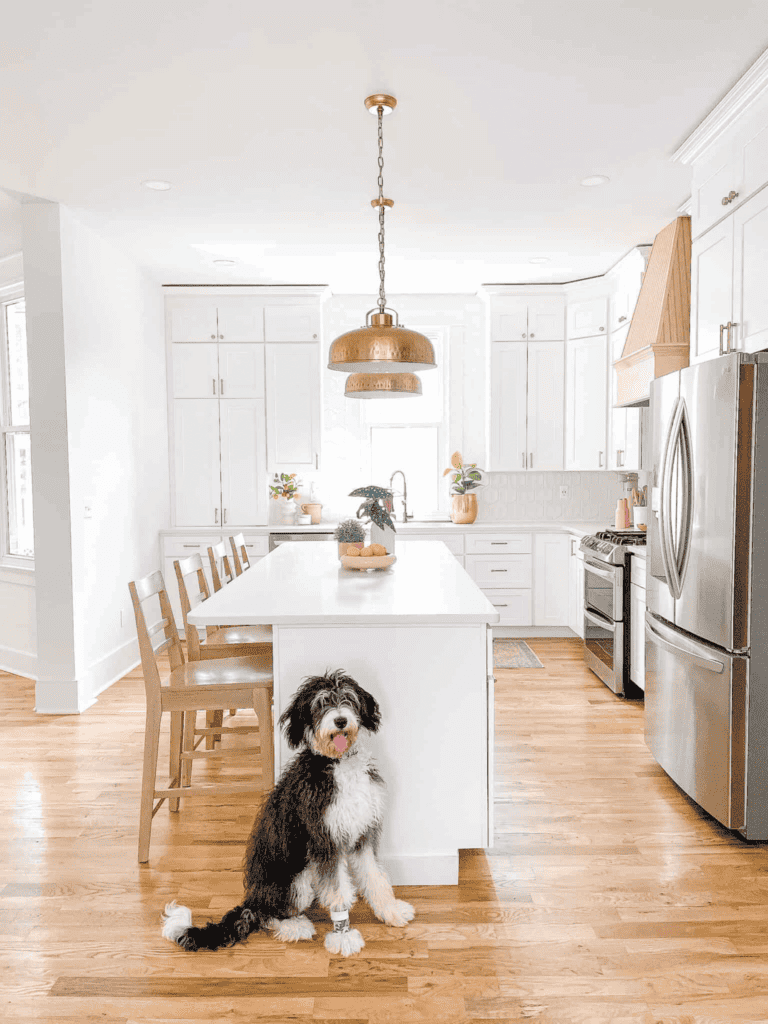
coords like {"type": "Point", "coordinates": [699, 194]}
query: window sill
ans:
{"type": "Point", "coordinates": [19, 575]}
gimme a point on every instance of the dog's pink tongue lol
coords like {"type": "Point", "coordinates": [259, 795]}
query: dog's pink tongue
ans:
{"type": "Point", "coordinates": [340, 742]}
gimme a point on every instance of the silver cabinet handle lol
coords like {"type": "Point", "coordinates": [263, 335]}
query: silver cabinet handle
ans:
{"type": "Point", "coordinates": [224, 516]}
{"type": "Point", "coordinates": [198, 546]}
{"type": "Point", "coordinates": [600, 460]}
{"type": "Point", "coordinates": [221, 336]}
{"type": "Point", "coordinates": [726, 200]}
{"type": "Point", "coordinates": [720, 347]}
{"type": "Point", "coordinates": [619, 459]}
{"type": "Point", "coordinates": [602, 328]}
{"type": "Point", "coordinates": [216, 516]}
{"type": "Point", "coordinates": [530, 461]}
{"type": "Point", "coordinates": [213, 380]}
{"type": "Point", "coordinates": [622, 319]}
{"type": "Point", "coordinates": [523, 460]}
{"type": "Point", "coordinates": [728, 327]}
{"type": "Point", "coordinates": [525, 335]}
{"type": "Point", "coordinates": [532, 335]}
{"type": "Point", "coordinates": [221, 385]}
{"type": "Point", "coordinates": [499, 605]}
{"type": "Point", "coordinates": [501, 542]}
{"type": "Point", "coordinates": [213, 337]}
{"type": "Point", "coordinates": [499, 570]}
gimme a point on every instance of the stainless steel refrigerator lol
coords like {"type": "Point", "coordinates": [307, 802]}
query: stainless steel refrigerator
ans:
{"type": "Point", "coordinates": [706, 688]}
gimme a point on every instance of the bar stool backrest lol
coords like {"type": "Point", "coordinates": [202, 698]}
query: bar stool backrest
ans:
{"type": "Point", "coordinates": [219, 551]}
{"type": "Point", "coordinates": [141, 591]}
{"type": "Point", "coordinates": [239, 554]}
{"type": "Point", "coordinates": [190, 570]}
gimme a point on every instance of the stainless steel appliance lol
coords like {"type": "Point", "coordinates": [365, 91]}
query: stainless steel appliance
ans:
{"type": "Point", "coordinates": [279, 537]}
{"type": "Point", "coordinates": [607, 606]}
{"type": "Point", "coordinates": [706, 696]}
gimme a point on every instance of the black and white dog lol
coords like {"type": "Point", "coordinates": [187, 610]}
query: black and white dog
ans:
{"type": "Point", "coordinates": [318, 833]}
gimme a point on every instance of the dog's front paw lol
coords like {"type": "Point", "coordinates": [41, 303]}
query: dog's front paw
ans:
{"type": "Point", "coordinates": [397, 914]}
{"type": "Point", "coordinates": [345, 943]}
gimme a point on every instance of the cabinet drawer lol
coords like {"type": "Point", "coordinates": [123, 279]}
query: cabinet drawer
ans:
{"type": "Point", "coordinates": [513, 606]}
{"type": "Point", "coordinates": [498, 544]}
{"type": "Point", "coordinates": [499, 570]}
{"type": "Point", "coordinates": [180, 547]}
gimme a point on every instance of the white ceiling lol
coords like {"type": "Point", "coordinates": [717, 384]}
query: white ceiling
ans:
{"type": "Point", "coordinates": [256, 116]}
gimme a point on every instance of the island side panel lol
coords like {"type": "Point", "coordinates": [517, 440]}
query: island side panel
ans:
{"type": "Point", "coordinates": [432, 748]}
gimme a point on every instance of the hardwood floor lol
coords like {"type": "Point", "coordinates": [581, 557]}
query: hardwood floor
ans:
{"type": "Point", "coordinates": [608, 895]}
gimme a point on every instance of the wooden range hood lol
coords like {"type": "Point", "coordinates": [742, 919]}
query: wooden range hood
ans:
{"type": "Point", "coordinates": [659, 336]}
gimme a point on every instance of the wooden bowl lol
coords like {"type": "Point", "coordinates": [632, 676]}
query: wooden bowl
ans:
{"type": "Point", "coordinates": [371, 562]}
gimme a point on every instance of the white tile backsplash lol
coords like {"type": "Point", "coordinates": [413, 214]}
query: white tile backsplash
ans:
{"type": "Point", "coordinates": [536, 496]}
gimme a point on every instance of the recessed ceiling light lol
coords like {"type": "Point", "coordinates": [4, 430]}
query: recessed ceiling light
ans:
{"type": "Point", "coordinates": [595, 179]}
{"type": "Point", "coordinates": [157, 186]}
{"type": "Point", "coordinates": [539, 259]}
{"type": "Point", "coordinates": [225, 263]}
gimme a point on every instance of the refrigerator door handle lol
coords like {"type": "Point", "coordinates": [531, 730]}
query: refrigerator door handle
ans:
{"type": "Point", "coordinates": [710, 664]}
{"type": "Point", "coordinates": [674, 555]}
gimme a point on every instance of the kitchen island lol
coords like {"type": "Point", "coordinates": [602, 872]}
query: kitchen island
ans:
{"type": "Point", "coordinates": [417, 637]}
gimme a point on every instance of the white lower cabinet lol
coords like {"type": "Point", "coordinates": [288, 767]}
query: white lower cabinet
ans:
{"type": "Point", "coordinates": [176, 548]}
{"type": "Point", "coordinates": [637, 622]}
{"type": "Point", "coordinates": [551, 552]}
{"type": "Point", "coordinates": [502, 566]}
{"type": "Point", "coordinates": [513, 606]}
{"type": "Point", "coordinates": [576, 587]}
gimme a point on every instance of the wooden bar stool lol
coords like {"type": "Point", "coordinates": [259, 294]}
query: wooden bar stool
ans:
{"type": "Point", "coordinates": [214, 553]}
{"type": "Point", "coordinates": [239, 554]}
{"type": "Point", "coordinates": [239, 682]}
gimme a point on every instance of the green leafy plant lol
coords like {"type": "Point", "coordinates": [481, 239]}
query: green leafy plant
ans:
{"type": "Point", "coordinates": [286, 486]}
{"type": "Point", "coordinates": [349, 531]}
{"type": "Point", "coordinates": [377, 505]}
{"type": "Point", "coordinates": [466, 476]}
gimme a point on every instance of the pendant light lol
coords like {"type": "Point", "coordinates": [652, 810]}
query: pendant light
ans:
{"type": "Point", "coordinates": [383, 350]}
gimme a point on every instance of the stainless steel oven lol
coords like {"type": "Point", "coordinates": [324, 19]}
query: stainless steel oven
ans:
{"type": "Point", "coordinates": [605, 637]}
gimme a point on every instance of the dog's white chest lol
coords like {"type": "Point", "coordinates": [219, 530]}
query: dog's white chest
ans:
{"type": "Point", "coordinates": [357, 803]}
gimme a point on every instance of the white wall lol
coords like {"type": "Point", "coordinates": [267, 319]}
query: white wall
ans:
{"type": "Point", "coordinates": [97, 376]}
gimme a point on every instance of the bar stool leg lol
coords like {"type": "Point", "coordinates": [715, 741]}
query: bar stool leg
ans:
{"type": "Point", "coordinates": [151, 747]}
{"type": "Point", "coordinates": [174, 763]}
{"type": "Point", "coordinates": [188, 745]}
{"type": "Point", "coordinates": [261, 705]}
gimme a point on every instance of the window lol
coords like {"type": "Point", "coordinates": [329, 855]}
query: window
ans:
{"type": "Point", "coordinates": [409, 434]}
{"type": "Point", "coordinates": [15, 453]}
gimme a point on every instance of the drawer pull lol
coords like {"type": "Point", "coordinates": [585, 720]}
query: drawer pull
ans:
{"type": "Point", "coordinates": [499, 605]}
{"type": "Point", "coordinates": [499, 542]}
{"type": "Point", "coordinates": [499, 570]}
{"type": "Point", "coordinates": [192, 545]}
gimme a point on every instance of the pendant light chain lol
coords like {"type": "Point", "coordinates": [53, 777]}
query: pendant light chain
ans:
{"type": "Point", "coordinates": [382, 297]}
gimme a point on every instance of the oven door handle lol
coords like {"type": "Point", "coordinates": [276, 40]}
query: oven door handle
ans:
{"type": "Point", "coordinates": [598, 620]}
{"type": "Point", "coordinates": [604, 574]}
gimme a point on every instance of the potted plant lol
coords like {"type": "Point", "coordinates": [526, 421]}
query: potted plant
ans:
{"type": "Point", "coordinates": [350, 533]}
{"type": "Point", "coordinates": [466, 477]}
{"type": "Point", "coordinates": [285, 489]}
{"type": "Point", "coordinates": [376, 509]}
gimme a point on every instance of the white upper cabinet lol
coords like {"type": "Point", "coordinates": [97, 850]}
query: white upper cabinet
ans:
{"type": "Point", "coordinates": [588, 317]}
{"type": "Point", "coordinates": [750, 275]}
{"type": "Point", "coordinates": [528, 317]}
{"type": "Point", "coordinates": [198, 319]}
{"type": "Point", "coordinates": [240, 319]}
{"type": "Point", "coordinates": [293, 407]}
{"type": "Point", "coordinates": [241, 370]}
{"type": "Point", "coordinates": [527, 381]}
{"type": "Point", "coordinates": [195, 370]}
{"type": "Point", "coordinates": [628, 280]}
{"type": "Point", "coordinates": [291, 323]}
{"type": "Point", "coordinates": [623, 447]}
{"type": "Point", "coordinates": [711, 291]}
{"type": "Point", "coordinates": [586, 400]}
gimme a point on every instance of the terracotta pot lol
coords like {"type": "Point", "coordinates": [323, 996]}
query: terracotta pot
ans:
{"type": "Point", "coordinates": [463, 508]}
{"type": "Point", "coordinates": [345, 544]}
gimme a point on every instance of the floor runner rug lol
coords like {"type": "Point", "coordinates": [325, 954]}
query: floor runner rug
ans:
{"type": "Point", "coordinates": [514, 654]}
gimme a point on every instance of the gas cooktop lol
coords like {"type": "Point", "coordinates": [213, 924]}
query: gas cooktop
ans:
{"type": "Point", "coordinates": [623, 536]}
{"type": "Point", "coordinates": [609, 544]}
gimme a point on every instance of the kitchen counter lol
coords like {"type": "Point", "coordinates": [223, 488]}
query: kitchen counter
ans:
{"type": "Point", "coordinates": [436, 526]}
{"type": "Point", "coordinates": [417, 637]}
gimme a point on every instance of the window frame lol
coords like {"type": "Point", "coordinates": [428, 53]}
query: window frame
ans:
{"type": "Point", "coordinates": [441, 335]}
{"type": "Point", "coordinates": [8, 294]}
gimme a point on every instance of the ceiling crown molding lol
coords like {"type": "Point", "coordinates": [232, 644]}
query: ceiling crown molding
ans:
{"type": "Point", "coordinates": [749, 87]}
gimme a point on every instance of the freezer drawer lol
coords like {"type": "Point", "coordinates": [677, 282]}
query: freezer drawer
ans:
{"type": "Point", "coordinates": [695, 718]}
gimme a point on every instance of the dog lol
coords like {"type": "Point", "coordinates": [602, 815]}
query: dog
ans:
{"type": "Point", "coordinates": [318, 833]}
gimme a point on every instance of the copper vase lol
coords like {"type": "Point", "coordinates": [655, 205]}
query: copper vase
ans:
{"type": "Point", "coordinates": [463, 508]}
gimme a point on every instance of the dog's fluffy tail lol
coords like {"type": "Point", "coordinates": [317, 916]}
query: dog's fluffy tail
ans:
{"type": "Point", "coordinates": [236, 925]}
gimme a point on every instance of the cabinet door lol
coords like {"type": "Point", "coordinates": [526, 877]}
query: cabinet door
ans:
{"type": "Point", "coordinates": [195, 370]}
{"type": "Point", "coordinates": [240, 319]}
{"type": "Point", "coordinates": [243, 462]}
{"type": "Point", "coordinates": [576, 609]}
{"type": "Point", "coordinates": [546, 318]}
{"type": "Point", "coordinates": [712, 182]}
{"type": "Point", "coordinates": [623, 302]}
{"type": "Point", "coordinates": [241, 371]}
{"type": "Point", "coordinates": [587, 318]}
{"type": "Point", "coordinates": [513, 605]}
{"type": "Point", "coordinates": [546, 379]}
{"type": "Point", "coordinates": [711, 289]}
{"type": "Point", "coordinates": [617, 440]}
{"type": "Point", "coordinates": [293, 407]}
{"type": "Point", "coordinates": [585, 403]}
{"type": "Point", "coordinates": [509, 319]}
{"type": "Point", "coordinates": [508, 442]}
{"type": "Point", "coordinates": [196, 462]}
{"type": "Point", "coordinates": [193, 320]}
{"type": "Point", "coordinates": [750, 276]}
{"type": "Point", "coordinates": [551, 552]}
{"type": "Point", "coordinates": [291, 323]}
{"type": "Point", "coordinates": [637, 636]}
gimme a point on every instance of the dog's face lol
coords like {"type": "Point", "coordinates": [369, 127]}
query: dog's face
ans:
{"type": "Point", "coordinates": [327, 713]}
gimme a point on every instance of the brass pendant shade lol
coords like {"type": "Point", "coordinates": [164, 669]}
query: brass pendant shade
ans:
{"type": "Point", "coordinates": [381, 347]}
{"type": "Point", "coordinates": [382, 385]}
{"type": "Point", "coordinates": [382, 356]}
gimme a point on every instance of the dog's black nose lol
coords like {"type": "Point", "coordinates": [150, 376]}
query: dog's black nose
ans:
{"type": "Point", "coordinates": [339, 722]}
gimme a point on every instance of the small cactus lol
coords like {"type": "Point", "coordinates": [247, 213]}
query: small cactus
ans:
{"type": "Point", "coordinates": [349, 531]}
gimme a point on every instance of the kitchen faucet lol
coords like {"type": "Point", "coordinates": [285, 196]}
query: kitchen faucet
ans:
{"type": "Point", "coordinates": [406, 515]}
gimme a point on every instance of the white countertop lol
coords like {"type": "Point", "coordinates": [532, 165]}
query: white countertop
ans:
{"type": "Point", "coordinates": [403, 529]}
{"type": "Point", "coordinates": [306, 584]}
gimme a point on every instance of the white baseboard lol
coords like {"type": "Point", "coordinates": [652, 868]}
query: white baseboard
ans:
{"type": "Point", "coordinates": [530, 632]}
{"type": "Point", "coordinates": [432, 869]}
{"type": "Point", "coordinates": [60, 697]}
{"type": "Point", "coordinates": [20, 663]}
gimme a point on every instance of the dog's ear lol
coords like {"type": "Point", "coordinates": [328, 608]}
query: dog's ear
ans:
{"type": "Point", "coordinates": [297, 717]}
{"type": "Point", "coordinates": [370, 716]}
